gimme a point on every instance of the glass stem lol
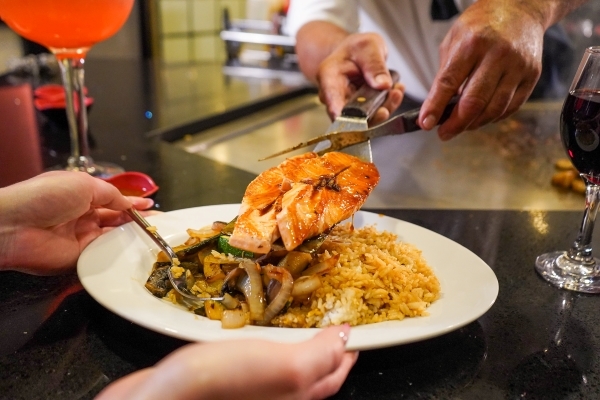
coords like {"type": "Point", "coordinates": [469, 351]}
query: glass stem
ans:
{"type": "Point", "coordinates": [73, 80]}
{"type": "Point", "coordinates": [581, 251]}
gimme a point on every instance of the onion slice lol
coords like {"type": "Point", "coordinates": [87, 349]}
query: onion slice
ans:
{"type": "Point", "coordinates": [230, 302]}
{"type": "Point", "coordinates": [305, 285]}
{"type": "Point", "coordinates": [233, 319]}
{"type": "Point", "coordinates": [322, 267]}
{"type": "Point", "coordinates": [253, 289]}
{"type": "Point", "coordinates": [287, 282]}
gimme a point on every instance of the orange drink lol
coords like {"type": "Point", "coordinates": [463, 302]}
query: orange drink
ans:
{"type": "Point", "coordinates": [67, 27]}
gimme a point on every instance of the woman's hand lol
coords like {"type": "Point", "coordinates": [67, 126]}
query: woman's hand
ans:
{"type": "Point", "coordinates": [244, 369]}
{"type": "Point", "coordinates": [47, 221]}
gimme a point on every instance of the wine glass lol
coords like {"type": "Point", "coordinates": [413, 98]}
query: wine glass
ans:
{"type": "Point", "coordinates": [69, 29]}
{"type": "Point", "coordinates": [577, 269]}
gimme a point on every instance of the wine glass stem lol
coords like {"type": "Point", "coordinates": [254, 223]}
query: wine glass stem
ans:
{"type": "Point", "coordinates": [73, 80]}
{"type": "Point", "coordinates": [581, 251]}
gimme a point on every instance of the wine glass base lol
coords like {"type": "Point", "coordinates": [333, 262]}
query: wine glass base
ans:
{"type": "Point", "coordinates": [102, 169]}
{"type": "Point", "coordinates": [99, 169]}
{"type": "Point", "coordinates": [563, 272]}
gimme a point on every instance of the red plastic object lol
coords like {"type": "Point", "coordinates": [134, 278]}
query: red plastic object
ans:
{"type": "Point", "coordinates": [53, 96]}
{"type": "Point", "coordinates": [132, 183]}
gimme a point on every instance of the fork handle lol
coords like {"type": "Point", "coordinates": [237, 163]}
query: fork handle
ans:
{"type": "Point", "coordinates": [367, 100]}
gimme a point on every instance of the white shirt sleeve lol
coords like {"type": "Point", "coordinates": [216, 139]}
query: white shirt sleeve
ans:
{"type": "Point", "coordinates": [343, 13]}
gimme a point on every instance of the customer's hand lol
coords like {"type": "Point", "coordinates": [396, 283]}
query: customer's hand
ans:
{"type": "Point", "coordinates": [345, 62]}
{"type": "Point", "coordinates": [47, 221]}
{"type": "Point", "coordinates": [244, 369]}
{"type": "Point", "coordinates": [493, 56]}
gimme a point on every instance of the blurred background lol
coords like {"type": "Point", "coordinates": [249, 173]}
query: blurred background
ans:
{"type": "Point", "coordinates": [171, 31]}
{"type": "Point", "coordinates": [245, 37]}
{"type": "Point", "coordinates": [191, 31]}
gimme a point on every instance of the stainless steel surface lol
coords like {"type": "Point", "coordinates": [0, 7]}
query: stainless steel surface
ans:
{"type": "Point", "coordinates": [261, 72]}
{"type": "Point", "coordinates": [252, 46]}
{"type": "Point", "coordinates": [504, 166]}
{"type": "Point", "coordinates": [186, 93]}
{"type": "Point", "coordinates": [258, 38]}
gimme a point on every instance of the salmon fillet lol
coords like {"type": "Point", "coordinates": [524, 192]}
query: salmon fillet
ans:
{"type": "Point", "coordinates": [301, 198]}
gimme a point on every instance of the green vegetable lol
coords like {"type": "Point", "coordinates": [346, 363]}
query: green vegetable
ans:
{"type": "Point", "coordinates": [223, 246]}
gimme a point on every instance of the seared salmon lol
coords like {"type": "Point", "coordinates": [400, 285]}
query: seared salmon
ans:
{"type": "Point", "coordinates": [301, 198]}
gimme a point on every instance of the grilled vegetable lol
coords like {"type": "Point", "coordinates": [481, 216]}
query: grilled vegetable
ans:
{"type": "Point", "coordinates": [212, 269]}
{"type": "Point", "coordinates": [224, 247]}
{"type": "Point", "coordinates": [158, 283]}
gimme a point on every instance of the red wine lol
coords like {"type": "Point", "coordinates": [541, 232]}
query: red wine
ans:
{"type": "Point", "coordinates": [580, 130]}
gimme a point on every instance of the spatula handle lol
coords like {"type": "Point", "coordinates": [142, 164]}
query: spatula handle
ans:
{"type": "Point", "coordinates": [367, 100]}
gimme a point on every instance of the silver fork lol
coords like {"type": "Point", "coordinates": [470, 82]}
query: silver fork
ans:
{"type": "Point", "coordinates": [179, 284]}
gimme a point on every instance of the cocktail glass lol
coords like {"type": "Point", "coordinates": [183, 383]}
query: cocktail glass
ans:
{"type": "Point", "coordinates": [69, 28]}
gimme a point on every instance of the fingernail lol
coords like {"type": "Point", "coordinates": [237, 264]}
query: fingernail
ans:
{"type": "Point", "coordinates": [382, 79]}
{"type": "Point", "coordinates": [429, 122]}
{"type": "Point", "coordinates": [344, 333]}
{"type": "Point", "coordinates": [145, 203]}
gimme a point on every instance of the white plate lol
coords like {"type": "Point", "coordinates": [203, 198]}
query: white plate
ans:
{"type": "Point", "coordinates": [114, 268]}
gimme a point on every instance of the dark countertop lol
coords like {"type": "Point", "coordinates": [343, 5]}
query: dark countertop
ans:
{"type": "Point", "coordinates": [536, 342]}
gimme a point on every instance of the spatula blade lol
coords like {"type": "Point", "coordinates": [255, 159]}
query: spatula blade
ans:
{"type": "Point", "coordinates": [342, 124]}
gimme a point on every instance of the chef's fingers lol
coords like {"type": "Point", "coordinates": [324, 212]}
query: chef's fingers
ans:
{"type": "Point", "coordinates": [481, 88]}
{"type": "Point", "coordinates": [391, 103]}
{"type": "Point", "coordinates": [455, 70]}
{"type": "Point", "coordinates": [493, 92]}
{"type": "Point", "coordinates": [520, 96]}
{"type": "Point", "coordinates": [358, 59]}
{"type": "Point", "coordinates": [497, 105]}
{"type": "Point", "coordinates": [369, 52]}
{"type": "Point", "coordinates": [335, 79]}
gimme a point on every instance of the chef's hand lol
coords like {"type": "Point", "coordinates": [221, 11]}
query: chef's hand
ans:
{"type": "Point", "coordinates": [47, 221]}
{"type": "Point", "coordinates": [492, 55]}
{"type": "Point", "coordinates": [244, 369]}
{"type": "Point", "coordinates": [345, 62]}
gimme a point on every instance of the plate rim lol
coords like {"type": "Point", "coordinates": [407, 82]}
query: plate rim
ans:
{"type": "Point", "coordinates": [172, 217]}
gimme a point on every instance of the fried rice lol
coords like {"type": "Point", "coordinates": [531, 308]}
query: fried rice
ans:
{"type": "Point", "coordinates": [377, 278]}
